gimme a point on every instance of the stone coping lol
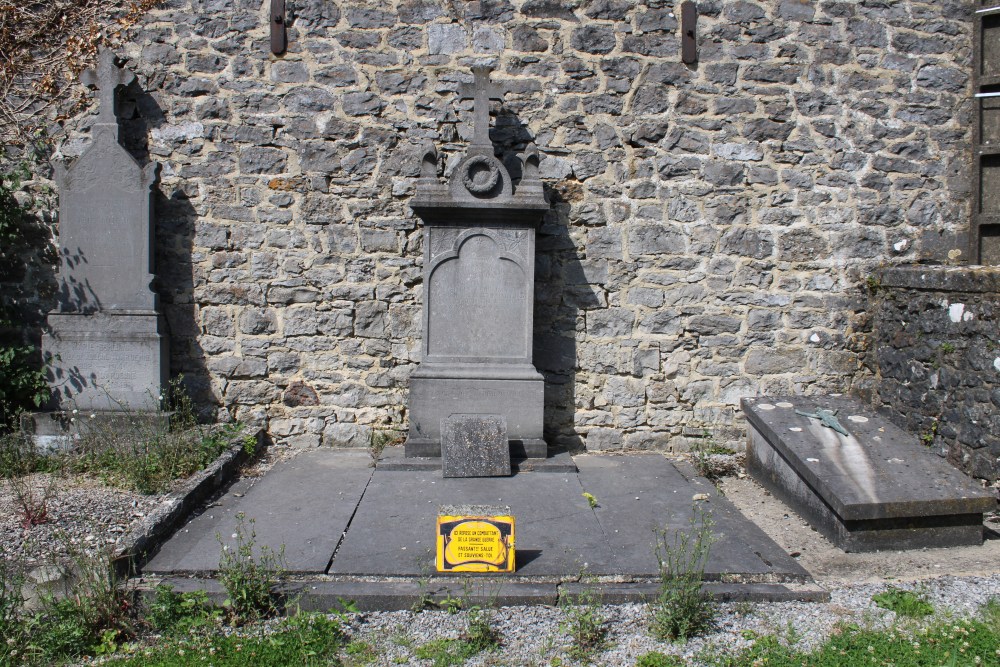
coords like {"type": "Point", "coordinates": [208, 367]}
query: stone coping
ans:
{"type": "Point", "coordinates": [325, 595]}
{"type": "Point", "coordinates": [145, 539]}
{"type": "Point", "coordinates": [941, 278]}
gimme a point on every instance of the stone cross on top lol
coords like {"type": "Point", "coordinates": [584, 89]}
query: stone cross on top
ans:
{"type": "Point", "coordinates": [107, 78]}
{"type": "Point", "coordinates": [481, 91]}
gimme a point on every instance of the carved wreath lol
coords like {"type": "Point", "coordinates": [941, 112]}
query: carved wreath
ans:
{"type": "Point", "coordinates": [480, 181]}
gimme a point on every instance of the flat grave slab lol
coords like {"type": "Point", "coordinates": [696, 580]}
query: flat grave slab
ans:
{"type": "Point", "coordinates": [393, 531]}
{"type": "Point", "coordinates": [640, 496]}
{"type": "Point", "coordinates": [304, 504]}
{"type": "Point", "coordinates": [875, 488]}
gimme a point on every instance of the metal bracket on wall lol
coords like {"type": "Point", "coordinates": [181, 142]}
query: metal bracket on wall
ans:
{"type": "Point", "coordinates": [689, 33]}
{"type": "Point", "coordinates": [278, 38]}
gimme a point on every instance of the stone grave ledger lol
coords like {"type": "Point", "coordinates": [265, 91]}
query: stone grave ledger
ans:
{"type": "Point", "coordinates": [479, 262]}
{"type": "Point", "coordinates": [106, 342]}
{"type": "Point", "coordinates": [864, 483]}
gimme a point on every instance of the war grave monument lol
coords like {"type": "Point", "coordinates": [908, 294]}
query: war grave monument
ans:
{"type": "Point", "coordinates": [106, 342]}
{"type": "Point", "coordinates": [541, 250]}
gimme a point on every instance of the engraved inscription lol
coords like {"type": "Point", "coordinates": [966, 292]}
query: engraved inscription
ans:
{"type": "Point", "coordinates": [478, 304]}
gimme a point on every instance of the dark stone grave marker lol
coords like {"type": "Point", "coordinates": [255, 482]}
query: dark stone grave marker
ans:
{"type": "Point", "coordinates": [479, 264]}
{"type": "Point", "coordinates": [106, 340]}
{"type": "Point", "coordinates": [475, 446]}
{"type": "Point", "coordinates": [874, 488]}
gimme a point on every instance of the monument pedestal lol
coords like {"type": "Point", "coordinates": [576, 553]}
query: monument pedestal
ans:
{"type": "Point", "coordinates": [516, 393]}
{"type": "Point", "coordinates": [107, 360]}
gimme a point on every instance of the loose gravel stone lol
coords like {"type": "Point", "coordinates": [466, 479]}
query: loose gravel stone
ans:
{"type": "Point", "coordinates": [536, 635]}
{"type": "Point", "coordinates": [82, 514]}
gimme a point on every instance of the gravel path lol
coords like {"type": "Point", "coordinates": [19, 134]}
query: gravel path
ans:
{"type": "Point", "coordinates": [81, 515]}
{"type": "Point", "coordinates": [538, 636]}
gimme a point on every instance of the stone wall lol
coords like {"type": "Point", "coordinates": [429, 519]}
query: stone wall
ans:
{"type": "Point", "coordinates": [712, 225]}
{"type": "Point", "coordinates": [936, 359]}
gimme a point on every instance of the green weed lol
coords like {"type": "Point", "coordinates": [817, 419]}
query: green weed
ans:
{"type": "Point", "coordinates": [960, 643]}
{"type": "Point", "coordinates": [94, 618]}
{"type": "Point", "coordinates": [991, 612]}
{"type": "Point", "coordinates": [141, 454]}
{"type": "Point", "coordinates": [585, 624]}
{"type": "Point", "coordinates": [380, 439]}
{"type": "Point", "coordinates": [903, 602]}
{"type": "Point", "coordinates": [657, 659]}
{"type": "Point", "coordinates": [24, 246]}
{"type": "Point", "coordinates": [179, 614]}
{"type": "Point", "coordinates": [591, 499]}
{"type": "Point", "coordinates": [682, 609]}
{"type": "Point", "coordinates": [304, 640]}
{"type": "Point", "coordinates": [360, 653]}
{"type": "Point", "coordinates": [250, 574]}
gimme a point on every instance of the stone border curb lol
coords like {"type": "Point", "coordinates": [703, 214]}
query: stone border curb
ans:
{"type": "Point", "coordinates": [325, 595]}
{"type": "Point", "coordinates": [144, 540]}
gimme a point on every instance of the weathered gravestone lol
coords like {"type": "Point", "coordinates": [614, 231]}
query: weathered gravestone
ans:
{"type": "Point", "coordinates": [864, 483]}
{"type": "Point", "coordinates": [106, 340]}
{"type": "Point", "coordinates": [479, 259]}
{"type": "Point", "coordinates": [474, 446]}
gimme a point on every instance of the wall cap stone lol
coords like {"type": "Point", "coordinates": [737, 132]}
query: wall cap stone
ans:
{"type": "Point", "coordinates": [941, 278]}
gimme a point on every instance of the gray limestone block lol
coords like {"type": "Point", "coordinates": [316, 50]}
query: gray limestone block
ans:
{"type": "Point", "coordinates": [446, 38]}
{"type": "Point", "coordinates": [609, 10]}
{"type": "Point", "coordinates": [307, 99]}
{"type": "Point", "coordinates": [486, 39]}
{"type": "Point", "coordinates": [262, 160]}
{"type": "Point", "coordinates": [604, 243]}
{"type": "Point", "coordinates": [369, 319]}
{"type": "Point", "coordinates": [362, 104]}
{"type": "Point", "coordinates": [743, 12]}
{"type": "Point", "coordinates": [419, 11]}
{"type": "Point", "coordinates": [258, 321]}
{"type": "Point", "coordinates": [474, 445]}
{"type": "Point", "coordinates": [611, 322]}
{"type": "Point", "coordinates": [346, 435]}
{"type": "Point", "coordinates": [549, 9]}
{"type": "Point", "coordinates": [369, 17]}
{"type": "Point", "coordinates": [768, 361]}
{"type": "Point", "coordinates": [597, 39]}
{"type": "Point", "coordinates": [603, 439]}
{"type": "Point", "coordinates": [526, 38]}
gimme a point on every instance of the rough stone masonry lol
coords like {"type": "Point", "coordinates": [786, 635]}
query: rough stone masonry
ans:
{"type": "Point", "coordinates": [711, 224]}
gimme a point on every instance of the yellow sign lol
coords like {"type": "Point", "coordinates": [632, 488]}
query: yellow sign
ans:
{"type": "Point", "coordinates": [475, 543]}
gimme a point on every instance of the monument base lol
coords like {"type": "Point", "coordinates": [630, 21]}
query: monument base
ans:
{"type": "Point", "coordinates": [61, 431]}
{"type": "Point", "coordinates": [107, 360]}
{"type": "Point", "coordinates": [519, 397]}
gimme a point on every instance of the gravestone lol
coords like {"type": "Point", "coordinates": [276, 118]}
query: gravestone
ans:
{"type": "Point", "coordinates": [864, 483]}
{"type": "Point", "coordinates": [106, 341]}
{"type": "Point", "coordinates": [479, 264]}
{"type": "Point", "coordinates": [474, 446]}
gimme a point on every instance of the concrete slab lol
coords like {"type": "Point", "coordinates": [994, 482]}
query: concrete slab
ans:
{"type": "Point", "coordinates": [386, 558]}
{"type": "Point", "coordinates": [304, 503]}
{"type": "Point", "coordinates": [641, 496]}
{"type": "Point", "coordinates": [393, 530]}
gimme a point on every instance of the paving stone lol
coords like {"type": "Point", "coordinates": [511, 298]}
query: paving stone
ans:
{"type": "Point", "coordinates": [304, 504]}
